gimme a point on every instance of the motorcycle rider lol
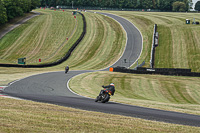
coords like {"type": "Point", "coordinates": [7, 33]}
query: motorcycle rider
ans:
{"type": "Point", "coordinates": [110, 87]}
{"type": "Point", "coordinates": [66, 69]}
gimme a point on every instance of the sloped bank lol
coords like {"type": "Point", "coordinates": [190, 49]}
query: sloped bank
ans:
{"type": "Point", "coordinates": [64, 58]}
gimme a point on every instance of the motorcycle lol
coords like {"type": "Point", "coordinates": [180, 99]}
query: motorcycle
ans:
{"type": "Point", "coordinates": [66, 69]}
{"type": "Point", "coordinates": [104, 96]}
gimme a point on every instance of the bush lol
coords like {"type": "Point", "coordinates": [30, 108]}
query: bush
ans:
{"type": "Point", "coordinates": [3, 15]}
{"type": "Point", "coordinates": [179, 6]}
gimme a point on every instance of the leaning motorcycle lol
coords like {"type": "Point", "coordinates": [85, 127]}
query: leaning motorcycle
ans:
{"type": "Point", "coordinates": [104, 96]}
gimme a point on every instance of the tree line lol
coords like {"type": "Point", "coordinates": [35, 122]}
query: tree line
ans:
{"type": "Point", "coordinates": [163, 5]}
{"type": "Point", "coordinates": [197, 6]}
{"type": "Point", "coordinates": [10, 9]}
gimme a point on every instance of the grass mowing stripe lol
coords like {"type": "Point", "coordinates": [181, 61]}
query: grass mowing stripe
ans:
{"type": "Point", "coordinates": [161, 92]}
{"type": "Point", "coordinates": [193, 50]}
{"type": "Point", "coordinates": [179, 53]}
{"type": "Point", "coordinates": [96, 44]}
{"type": "Point", "coordinates": [179, 41]}
{"type": "Point", "coordinates": [89, 38]}
{"type": "Point", "coordinates": [173, 96]}
{"type": "Point", "coordinates": [45, 33]}
{"type": "Point", "coordinates": [102, 46]}
{"type": "Point", "coordinates": [164, 59]}
{"type": "Point", "coordinates": [184, 94]}
{"type": "Point", "coordinates": [27, 116]}
{"type": "Point", "coordinates": [18, 41]}
{"type": "Point", "coordinates": [42, 37]}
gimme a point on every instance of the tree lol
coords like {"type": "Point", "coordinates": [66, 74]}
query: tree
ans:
{"type": "Point", "coordinates": [197, 6]}
{"type": "Point", "coordinates": [179, 6]}
{"type": "Point", "coordinates": [13, 9]}
{"type": "Point", "coordinates": [25, 5]}
{"type": "Point", "coordinates": [3, 15]}
{"type": "Point", "coordinates": [187, 4]}
{"type": "Point", "coordinates": [138, 5]}
{"type": "Point", "coordinates": [165, 5]}
{"type": "Point", "coordinates": [147, 4]}
{"type": "Point", "coordinates": [34, 4]}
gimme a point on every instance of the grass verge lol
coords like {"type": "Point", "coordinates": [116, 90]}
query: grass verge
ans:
{"type": "Point", "coordinates": [41, 37]}
{"type": "Point", "coordinates": [26, 116]}
{"type": "Point", "coordinates": [178, 42]}
{"type": "Point", "coordinates": [181, 94]}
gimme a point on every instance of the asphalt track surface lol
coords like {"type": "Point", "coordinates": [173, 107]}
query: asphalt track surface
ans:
{"type": "Point", "coordinates": [53, 88]}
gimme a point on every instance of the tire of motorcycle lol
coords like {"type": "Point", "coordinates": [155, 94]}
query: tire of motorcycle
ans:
{"type": "Point", "coordinates": [106, 99]}
{"type": "Point", "coordinates": [97, 99]}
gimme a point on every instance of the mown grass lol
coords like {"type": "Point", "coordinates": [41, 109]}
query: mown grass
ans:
{"type": "Point", "coordinates": [162, 92]}
{"type": "Point", "coordinates": [178, 93]}
{"type": "Point", "coordinates": [96, 53]}
{"type": "Point", "coordinates": [41, 37]}
{"type": "Point", "coordinates": [178, 42]}
{"type": "Point", "coordinates": [101, 47]}
{"type": "Point", "coordinates": [26, 116]}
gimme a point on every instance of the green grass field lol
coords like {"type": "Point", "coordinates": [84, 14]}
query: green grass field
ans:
{"type": "Point", "coordinates": [181, 94]}
{"type": "Point", "coordinates": [102, 46]}
{"type": "Point", "coordinates": [41, 37]}
{"type": "Point", "coordinates": [178, 42]}
{"type": "Point", "coordinates": [103, 36]}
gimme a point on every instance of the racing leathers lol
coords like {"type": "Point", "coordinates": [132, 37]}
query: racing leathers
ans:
{"type": "Point", "coordinates": [109, 88]}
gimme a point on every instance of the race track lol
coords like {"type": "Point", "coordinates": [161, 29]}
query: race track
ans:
{"type": "Point", "coordinates": [52, 88]}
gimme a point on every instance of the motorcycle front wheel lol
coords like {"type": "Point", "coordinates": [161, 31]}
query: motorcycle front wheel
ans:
{"type": "Point", "coordinates": [106, 99]}
{"type": "Point", "coordinates": [97, 99]}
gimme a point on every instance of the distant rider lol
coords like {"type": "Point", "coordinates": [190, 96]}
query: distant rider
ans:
{"type": "Point", "coordinates": [66, 69]}
{"type": "Point", "coordinates": [110, 87]}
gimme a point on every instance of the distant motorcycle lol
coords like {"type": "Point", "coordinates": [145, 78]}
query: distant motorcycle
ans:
{"type": "Point", "coordinates": [104, 96]}
{"type": "Point", "coordinates": [66, 69]}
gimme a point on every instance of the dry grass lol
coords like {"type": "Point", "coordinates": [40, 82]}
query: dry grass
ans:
{"type": "Point", "coordinates": [25, 116]}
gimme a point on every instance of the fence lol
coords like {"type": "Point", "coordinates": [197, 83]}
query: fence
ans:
{"type": "Point", "coordinates": [154, 41]}
{"type": "Point", "coordinates": [161, 71]}
{"type": "Point", "coordinates": [106, 8]}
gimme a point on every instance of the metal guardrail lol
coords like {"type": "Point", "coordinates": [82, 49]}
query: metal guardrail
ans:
{"type": "Point", "coordinates": [153, 47]}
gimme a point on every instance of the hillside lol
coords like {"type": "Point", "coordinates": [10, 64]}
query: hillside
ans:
{"type": "Point", "coordinates": [179, 45]}
{"type": "Point", "coordinates": [164, 92]}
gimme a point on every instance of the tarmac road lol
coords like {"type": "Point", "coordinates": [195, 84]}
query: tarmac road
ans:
{"type": "Point", "coordinates": [52, 88]}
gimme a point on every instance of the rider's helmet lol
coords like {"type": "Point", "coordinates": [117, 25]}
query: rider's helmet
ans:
{"type": "Point", "coordinates": [112, 84]}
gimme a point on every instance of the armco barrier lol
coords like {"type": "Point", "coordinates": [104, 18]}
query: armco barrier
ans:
{"type": "Point", "coordinates": [160, 71]}
{"type": "Point", "coordinates": [58, 61]}
{"type": "Point", "coordinates": [163, 69]}
{"type": "Point", "coordinates": [153, 47]}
